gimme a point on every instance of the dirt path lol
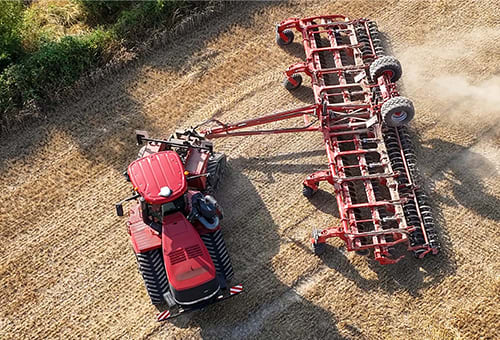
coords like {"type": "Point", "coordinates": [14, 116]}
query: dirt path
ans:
{"type": "Point", "coordinates": [67, 268]}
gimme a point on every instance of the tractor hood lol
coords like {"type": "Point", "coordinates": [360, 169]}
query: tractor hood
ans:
{"type": "Point", "coordinates": [190, 270]}
{"type": "Point", "coordinates": [159, 177]}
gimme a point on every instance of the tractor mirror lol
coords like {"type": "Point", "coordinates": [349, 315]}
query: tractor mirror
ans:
{"type": "Point", "coordinates": [127, 177]}
{"type": "Point", "coordinates": [119, 209]}
{"type": "Point", "coordinates": [139, 135]}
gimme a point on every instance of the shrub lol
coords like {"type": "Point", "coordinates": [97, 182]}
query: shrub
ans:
{"type": "Point", "coordinates": [136, 22]}
{"type": "Point", "coordinates": [103, 12]}
{"type": "Point", "coordinates": [10, 41]}
{"type": "Point", "coordinates": [50, 20]}
{"type": "Point", "coordinates": [59, 47]}
{"type": "Point", "coordinates": [54, 65]}
{"type": "Point", "coordinates": [64, 61]}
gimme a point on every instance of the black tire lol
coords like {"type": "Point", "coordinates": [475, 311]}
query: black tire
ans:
{"type": "Point", "coordinates": [308, 191]}
{"type": "Point", "coordinates": [362, 252]}
{"type": "Point", "coordinates": [318, 248]}
{"type": "Point", "coordinates": [154, 275]}
{"type": "Point", "coordinates": [385, 64]}
{"type": "Point", "coordinates": [288, 84]}
{"type": "Point", "coordinates": [215, 167]}
{"type": "Point", "coordinates": [417, 253]}
{"type": "Point", "coordinates": [289, 34]}
{"type": "Point", "coordinates": [218, 252]}
{"type": "Point", "coordinates": [397, 111]}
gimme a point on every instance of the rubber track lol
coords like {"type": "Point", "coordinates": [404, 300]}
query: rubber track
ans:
{"type": "Point", "coordinates": [213, 165]}
{"type": "Point", "coordinates": [153, 273]}
{"type": "Point", "coordinates": [218, 252]}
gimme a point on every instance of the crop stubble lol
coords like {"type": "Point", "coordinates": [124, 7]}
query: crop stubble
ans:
{"type": "Point", "coordinates": [68, 270]}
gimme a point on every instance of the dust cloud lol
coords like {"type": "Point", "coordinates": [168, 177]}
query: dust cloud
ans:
{"type": "Point", "coordinates": [434, 72]}
{"type": "Point", "coordinates": [461, 95]}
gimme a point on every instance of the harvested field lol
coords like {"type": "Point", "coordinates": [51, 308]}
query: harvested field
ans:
{"type": "Point", "coordinates": [68, 270]}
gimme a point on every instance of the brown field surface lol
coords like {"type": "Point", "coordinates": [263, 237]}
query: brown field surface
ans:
{"type": "Point", "coordinates": [67, 268]}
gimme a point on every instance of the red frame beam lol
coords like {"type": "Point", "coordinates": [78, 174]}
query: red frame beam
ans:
{"type": "Point", "coordinates": [337, 121]}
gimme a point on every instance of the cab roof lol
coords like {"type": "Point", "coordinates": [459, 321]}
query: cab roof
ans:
{"type": "Point", "coordinates": [161, 171]}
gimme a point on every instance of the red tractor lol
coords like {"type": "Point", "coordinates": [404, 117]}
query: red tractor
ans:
{"type": "Point", "coordinates": [174, 225]}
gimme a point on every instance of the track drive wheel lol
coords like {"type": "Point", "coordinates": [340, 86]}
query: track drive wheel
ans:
{"type": "Point", "coordinates": [218, 252]}
{"type": "Point", "coordinates": [289, 35]}
{"type": "Point", "coordinates": [397, 111]}
{"type": "Point", "coordinates": [387, 64]}
{"type": "Point", "coordinates": [289, 85]}
{"type": "Point", "coordinates": [308, 191]}
{"type": "Point", "coordinates": [215, 168]}
{"type": "Point", "coordinates": [154, 275]}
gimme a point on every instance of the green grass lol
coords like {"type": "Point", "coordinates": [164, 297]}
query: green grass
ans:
{"type": "Point", "coordinates": [54, 65]}
{"type": "Point", "coordinates": [10, 27]}
{"type": "Point", "coordinates": [49, 45]}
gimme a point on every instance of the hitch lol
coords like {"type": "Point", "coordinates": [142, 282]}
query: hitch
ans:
{"type": "Point", "coordinates": [142, 136]}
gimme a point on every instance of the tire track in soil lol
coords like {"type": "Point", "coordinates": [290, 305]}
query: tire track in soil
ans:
{"type": "Point", "coordinates": [251, 326]}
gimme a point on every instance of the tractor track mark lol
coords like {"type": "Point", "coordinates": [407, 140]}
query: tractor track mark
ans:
{"type": "Point", "coordinates": [254, 323]}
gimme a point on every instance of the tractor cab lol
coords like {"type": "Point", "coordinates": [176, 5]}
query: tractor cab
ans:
{"type": "Point", "coordinates": [160, 181]}
{"type": "Point", "coordinates": [154, 213]}
{"type": "Point", "coordinates": [159, 178]}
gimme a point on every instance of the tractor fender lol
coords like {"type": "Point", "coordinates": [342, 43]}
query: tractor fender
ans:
{"type": "Point", "coordinates": [142, 236]}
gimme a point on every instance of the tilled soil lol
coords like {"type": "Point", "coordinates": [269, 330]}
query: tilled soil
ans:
{"type": "Point", "coordinates": [68, 270]}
